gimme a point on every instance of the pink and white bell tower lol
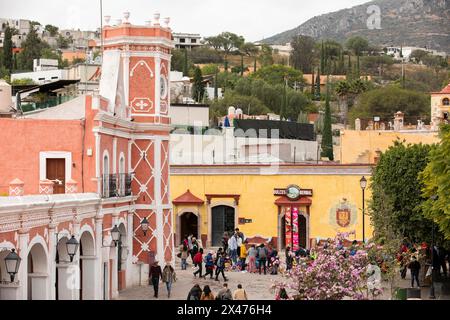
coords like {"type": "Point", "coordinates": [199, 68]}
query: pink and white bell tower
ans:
{"type": "Point", "coordinates": [137, 63]}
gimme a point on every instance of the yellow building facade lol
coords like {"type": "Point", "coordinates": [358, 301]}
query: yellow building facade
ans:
{"type": "Point", "coordinates": [323, 200]}
{"type": "Point", "coordinates": [364, 146]}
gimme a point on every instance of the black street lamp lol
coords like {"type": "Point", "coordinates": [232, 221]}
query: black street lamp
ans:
{"type": "Point", "coordinates": [12, 262]}
{"type": "Point", "coordinates": [144, 225]}
{"type": "Point", "coordinates": [363, 184]}
{"type": "Point", "coordinates": [72, 247]}
{"type": "Point", "coordinates": [115, 235]}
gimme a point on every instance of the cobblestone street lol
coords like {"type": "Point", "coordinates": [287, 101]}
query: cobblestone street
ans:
{"type": "Point", "coordinates": [257, 286]}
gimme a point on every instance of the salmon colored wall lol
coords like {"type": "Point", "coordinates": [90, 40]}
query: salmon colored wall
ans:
{"type": "Point", "coordinates": [23, 139]}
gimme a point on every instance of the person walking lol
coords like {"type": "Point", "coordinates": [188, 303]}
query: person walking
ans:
{"type": "Point", "coordinates": [198, 262]}
{"type": "Point", "coordinates": [184, 250]}
{"type": "Point", "coordinates": [195, 293]}
{"type": "Point", "coordinates": [194, 249]}
{"type": "Point", "coordinates": [252, 259]}
{"type": "Point", "coordinates": [225, 239]}
{"type": "Point", "coordinates": [155, 275]}
{"type": "Point", "coordinates": [239, 293]}
{"type": "Point", "coordinates": [289, 258]}
{"type": "Point", "coordinates": [221, 267]}
{"type": "Point", "coordinates": [243, 255]}
{"type": "Point", "coordinates": [207, 294]}
{"type": "Point", "coordinates": [414, 266]}
{"type": "Point", "coordinates": [224, 293]}
{"type": "Point", "coordinates": [262, 258]}
{"type": "Point", "coordinates": [232, 246]}
{"type": "Point", "coordinates": [168, 277]}
{"type": "Point", "coordinates": [209, 265]}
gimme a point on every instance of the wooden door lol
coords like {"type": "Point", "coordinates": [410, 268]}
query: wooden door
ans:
{"type": "Point", "coordinates": [56, 170]}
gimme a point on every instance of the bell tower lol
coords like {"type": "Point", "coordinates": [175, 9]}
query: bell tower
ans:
{"type": "Point", "coordinates": [137, 64]}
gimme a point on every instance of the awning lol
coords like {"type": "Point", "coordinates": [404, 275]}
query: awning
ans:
{"type": "Point", "coordinates": [188, 198]}
{"type": "Point", "coordinates": [284, 201]}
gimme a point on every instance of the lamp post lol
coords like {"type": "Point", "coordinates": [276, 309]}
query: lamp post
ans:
{"type": "Point", "coordinates": [72, 247]}
{"type": "Point", "coordinates": [115, 235]}
{"type": "Point", "coordinates": [144, 225]}
{"type": "Point", "coordinates": [12, 261]}
{"type": "Point", "coordinates": [432, 293]}
{"type": "Point", "coordinates": [363, 184]}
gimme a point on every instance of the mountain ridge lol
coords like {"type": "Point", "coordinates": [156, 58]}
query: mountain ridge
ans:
{"type": "Point", "coordinates": [420, 23]}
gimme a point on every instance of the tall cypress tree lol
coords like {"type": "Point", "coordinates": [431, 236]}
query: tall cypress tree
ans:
{"type": "Point", "coordinates": [7, 50]}
{"type": "Point", "coordinates": [254, 65]}
{"type": "Point", "coordinates": [216, 90]}
{"type": "Point", "coordinates": [349, 68]}
{"type": "Point", "coordinates": [322, 59]}
{"type": "Point", "coordinates": [242, 65]}
{"type": "Point", "coordinates": [317, 92]}
{"type": "Point", "coordinates": [198, 88]}
{"type": "Point", "coordinates": [327, 135]}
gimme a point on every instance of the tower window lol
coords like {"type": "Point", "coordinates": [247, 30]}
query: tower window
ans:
{"type": "Point", "coordinates": [446, 102]}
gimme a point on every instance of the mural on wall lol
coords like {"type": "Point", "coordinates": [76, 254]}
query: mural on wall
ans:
{"type": "Point", "coordinates": [343, 214]}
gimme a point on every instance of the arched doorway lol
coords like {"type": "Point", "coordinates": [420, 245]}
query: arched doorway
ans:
{"type": "Point", "coordinates": [223, 220]}
{"type": "Point", "coordinates": [87, 267]}
{"type": "Point", "coordinates": [188, 225]}
{"type": "Point", "coordinates": [293, 223]}
{"type": "Point", "coordinates": [37, 273]}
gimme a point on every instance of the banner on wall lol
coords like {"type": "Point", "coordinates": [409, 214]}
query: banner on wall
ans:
{"type": "Point", "coordinates": [288, 229]}
{"type": "Point", "coordinates": [295, 235]}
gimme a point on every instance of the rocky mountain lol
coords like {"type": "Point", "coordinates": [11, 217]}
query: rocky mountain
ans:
{"type": "Point", "coordinates": [419, 23]}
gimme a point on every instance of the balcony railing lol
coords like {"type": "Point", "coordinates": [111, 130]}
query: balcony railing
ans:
{"type": "Point", "coordinates": [116, 185]}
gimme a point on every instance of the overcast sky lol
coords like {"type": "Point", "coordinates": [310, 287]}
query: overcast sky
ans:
{"type": "Point", "coordinates": [254, 19]}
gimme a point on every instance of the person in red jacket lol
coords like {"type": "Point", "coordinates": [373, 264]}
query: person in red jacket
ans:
{"type": "Point", "coordinates": [198, 262]}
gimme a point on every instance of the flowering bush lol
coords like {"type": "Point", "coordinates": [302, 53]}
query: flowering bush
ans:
{"type": "Point", "coordinates": [334, 274]}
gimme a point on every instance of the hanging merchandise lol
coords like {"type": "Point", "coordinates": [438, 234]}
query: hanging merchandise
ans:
{"type": "Point", "coordinates": [295, 235]}
{"type": "Point", "coordinates": [288, 227]}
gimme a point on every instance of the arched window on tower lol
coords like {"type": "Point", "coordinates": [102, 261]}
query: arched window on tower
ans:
{"type": "Point", "coordinates": [446, 102]}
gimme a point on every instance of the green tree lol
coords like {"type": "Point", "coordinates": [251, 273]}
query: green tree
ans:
{"type": "Point", "coordinates": [384, 102]}
{"type": "Point", "coordinates": [198, 87]}
{"type": "Point", "coordinates": [266, 56]}
{"type": "Point", "coordinates": [7, 49]}
{"type": "Point", "coordinates": [317, 86]}
{"type": "Point", "coordinates": [185, 63]}
{"type": "Point", "coordinates": [327, 136]}
{"type": "Point", "coordinates": [52, 30]}
{"type": "Point", "coordinates": [435, 180]}
{"type": "Point", "coordinates": [63, 42]}
{"type": "Point", "coordinates": [32, 48]}
{"type": "Point", "coordinates": [226, 42]}
{"type": "Point", "coordinates": [358, 45]}
{"type": "Point", "coordinates": [302, 56]}
{"type": "Point", "coordinates": [276, 74]}
{"type": "Point", "coordinates": [397, 192]}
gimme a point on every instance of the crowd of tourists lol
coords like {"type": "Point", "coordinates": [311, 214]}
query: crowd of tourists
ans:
{"type": "Point", "coordinates": [235, 254]}
{"type": "Point", "coordinates": [225, 293]}
{"type": "Point", "coordinates": [423, 262]}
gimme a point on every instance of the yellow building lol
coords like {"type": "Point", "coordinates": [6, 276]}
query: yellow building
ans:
{"type": "Point", "coordinates": [365, 146]}
{"type": "Point", "coordinates": [440, 106]}
{"type": "Point", "coordinates": [208, 200]}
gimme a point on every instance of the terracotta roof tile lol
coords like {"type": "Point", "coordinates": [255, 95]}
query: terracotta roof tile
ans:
{"type": "Point", "coordinates": [188, 198]}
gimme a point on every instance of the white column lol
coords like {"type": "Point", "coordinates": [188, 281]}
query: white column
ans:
{"type": "Point", "coordinates": [98, 162]}
{"type": "Point", "coordinates": [158, 201]}
{"type": "Point", "coordinates": [51, 261]}
{"type": "Point", "coordinates": [158, 86]}
{"type": "Point", "coordinates": [130, 144]}
{"type": "Point", "coordinates": [75, 268]}
{"type": "Point", "coordinates": [126, 83]}
{"type": "Point", "coordinates": [115, 275]}
{"type": "Point", "coordinates": [23, 270]}
{"type": "Point", "coordinates": [114, 162]}
{"type": "Point", "coordinates": [129, 243]}
{"type": "Point", "coordinates": [99, 259]}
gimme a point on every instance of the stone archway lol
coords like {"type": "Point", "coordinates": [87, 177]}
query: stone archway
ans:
{"type": "Point", "coordinates": [87, 266]}
{"type": "Point", "coordinates": [302, 225]}
{"type": "Point", "coordinates": [188, 223]}
{"type": "Point", "coordinates": [37, 273]}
